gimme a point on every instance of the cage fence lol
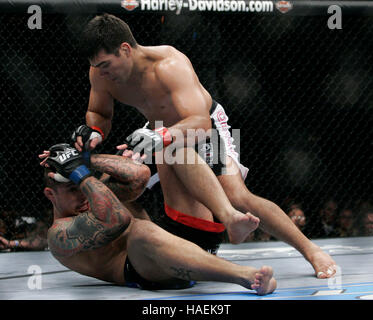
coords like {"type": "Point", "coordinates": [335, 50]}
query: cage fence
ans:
{"type": "Point", "coordinates": [299, 93]}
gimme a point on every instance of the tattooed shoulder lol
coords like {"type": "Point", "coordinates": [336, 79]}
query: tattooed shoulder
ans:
{"type": "Point", "coordinates": [84, 232]}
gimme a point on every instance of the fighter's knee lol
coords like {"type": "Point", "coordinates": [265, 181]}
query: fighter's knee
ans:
{"type": "Point", "coordinates": [140, 244]}
{"type": "Point", "coordinates": [136, 232]}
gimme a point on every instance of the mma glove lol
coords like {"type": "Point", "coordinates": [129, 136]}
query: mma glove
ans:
{"type": "Point", "coordinates": [87, 134]}
{"type": "Point", "coordinates": [146, 141]}
{"type": "Point", "coordinates": [69, 163]}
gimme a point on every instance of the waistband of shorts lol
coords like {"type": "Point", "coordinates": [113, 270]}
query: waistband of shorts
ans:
{"type": "Point", "coordinates": [213, 106]}
{"type": "Point", "coordinates": [193, 222]}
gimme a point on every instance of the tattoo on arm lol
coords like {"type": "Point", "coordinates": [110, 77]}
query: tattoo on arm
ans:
{"type": "Point", "coordinates": [81, 233]}
{"type": "Point", "coordinates": [105, 206]}
{"type": "Point", "coordinates": [126, 178]}
{"type": "Point", "coordinates": [107, 219]}
{"type": "Point", "coordinates": [123, 169]}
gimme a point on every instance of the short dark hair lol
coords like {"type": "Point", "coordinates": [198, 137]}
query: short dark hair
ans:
{"type": "Point", "coordinates": [105, 32]}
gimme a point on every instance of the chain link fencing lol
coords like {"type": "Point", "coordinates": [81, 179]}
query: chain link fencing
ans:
{"type": "Point", "coordinates": [300, 93]}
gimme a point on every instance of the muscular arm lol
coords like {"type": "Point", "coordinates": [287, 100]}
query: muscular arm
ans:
{"type": "Point", "coordinates": [107, 219]}
{"type": "Point", "coordinates": [125, 177]}
{"type": "Point", "coordinates": [187, 94]}
{"type": "Point", "coordinates": [101, 104]}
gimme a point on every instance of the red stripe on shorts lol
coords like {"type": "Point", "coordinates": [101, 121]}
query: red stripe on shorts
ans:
{"type": "Point", "coordinates": [196, 223]}
{"type": "Point", "coordinates": [99, 130]}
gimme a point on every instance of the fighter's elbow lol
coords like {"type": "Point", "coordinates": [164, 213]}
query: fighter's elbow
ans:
{"type": "Point", "coordinates": [144, 175]}
{"type": "Point", "coordinates": [140, 182]}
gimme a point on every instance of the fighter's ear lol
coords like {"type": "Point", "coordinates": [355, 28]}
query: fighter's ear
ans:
{"type": "Point", "coordinates": [49, 193]}
{"type": "Point", "coordinates": [126, 48]}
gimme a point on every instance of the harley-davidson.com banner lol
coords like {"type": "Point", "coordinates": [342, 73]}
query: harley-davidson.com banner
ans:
{"type": "Point", "coordinates": [203, 5]}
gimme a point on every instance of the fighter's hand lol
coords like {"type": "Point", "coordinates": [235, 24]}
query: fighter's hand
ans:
{"type": "Point", "coordinates": [146, 141]}
{"type": "Point", "coordinates": [55, 176]}
{"type": "Point", "coordinates": [68, 162]}
{"type": "Point", "coordinates": [125, 152]}
{"type": "Point", "coordinates": [86, 138]}
{"type": "Point", "coordinates": [4, 243]}
{"type": "Point", "coordinates": [43, 157]}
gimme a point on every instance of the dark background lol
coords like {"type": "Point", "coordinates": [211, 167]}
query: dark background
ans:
{"type": "Point", "coordinates": [300, 93]}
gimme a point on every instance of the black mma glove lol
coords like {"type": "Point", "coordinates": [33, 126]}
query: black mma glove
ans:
{"type": "Point", "coordinates": [68, 162]}
{"type": "Point", "coordinates": [87, 134]}
{"type": "Point", "coordinates": [146, 141]}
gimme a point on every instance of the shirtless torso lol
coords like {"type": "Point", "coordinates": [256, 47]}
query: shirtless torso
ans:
{"type": "Point", "coordinates": [88, 233]}
{"type": "Point", "coordinates": [105, 263]}
{"type": "Point", "coordinates": [162, 85]}
{"type": "Point", "coordinates": [160, 82]}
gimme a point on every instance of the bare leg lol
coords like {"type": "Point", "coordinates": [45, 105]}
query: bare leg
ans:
{"type": "Point", "coordinates": [160, 256]}
{"type": "Point", "coordinates": [177, 196]}
{"type": "Point", "coordinates": [202, 185]}
{"type": "Point", "coordinates": [274, 221]}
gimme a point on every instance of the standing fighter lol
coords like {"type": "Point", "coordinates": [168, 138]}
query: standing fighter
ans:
{"type": "Point", "coordinates": [161, 83]}
{"type": "Point", "coordinates": [94, 234]}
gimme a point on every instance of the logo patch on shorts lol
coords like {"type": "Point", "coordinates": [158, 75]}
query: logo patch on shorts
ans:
{"type": "Point", "coordinates": [129, 5]}
{"type": "Point", "coordinates": [221, 116]}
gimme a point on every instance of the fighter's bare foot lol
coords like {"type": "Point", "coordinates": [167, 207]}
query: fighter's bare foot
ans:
{"type": "Point", "coordinates": [264, 282]}
{"type": "Point", "coordinates": [322, 263]}
{"type": "Point", "coordinates": [240, 226]}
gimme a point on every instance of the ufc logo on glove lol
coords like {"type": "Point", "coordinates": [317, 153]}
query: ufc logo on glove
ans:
{"type": "Point", "coordinates": [67, 155]}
